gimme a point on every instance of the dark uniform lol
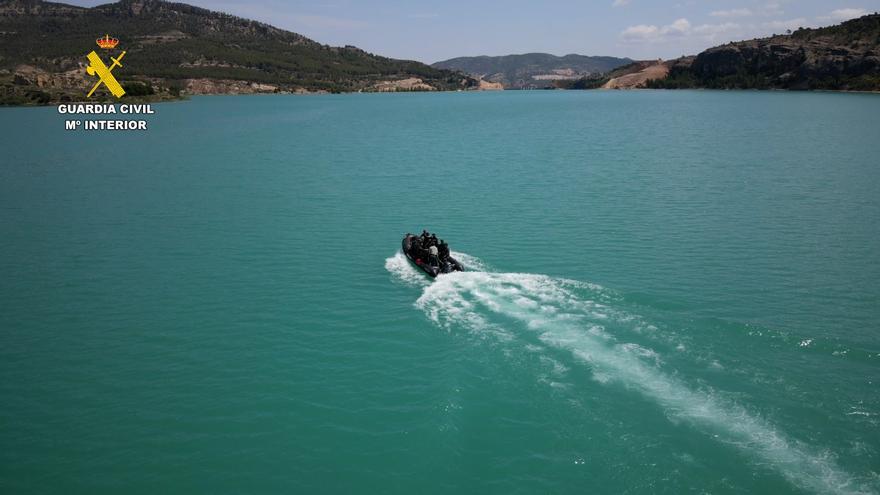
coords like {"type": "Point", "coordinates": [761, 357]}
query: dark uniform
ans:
{"type": "Point", "coordinates": [444, 250]}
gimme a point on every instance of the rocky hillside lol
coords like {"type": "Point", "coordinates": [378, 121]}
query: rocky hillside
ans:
{"type": "Point", "coordinates": [841, 57]}
{"type": "Point", "coordinates": [532, 70]}
{"type": "Point", "coordinates": [630, 76]}
{"type": "Point", "coordinates": [638, 78]}
{"type": "Point", "coordinates": [175, 48]}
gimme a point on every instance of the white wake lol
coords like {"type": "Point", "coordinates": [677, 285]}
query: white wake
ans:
{"type": "Point", "coordinates": [569, 316]}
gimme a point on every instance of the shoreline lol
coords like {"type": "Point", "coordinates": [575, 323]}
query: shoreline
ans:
{"type": "Point", "coordinates": [187, 97]}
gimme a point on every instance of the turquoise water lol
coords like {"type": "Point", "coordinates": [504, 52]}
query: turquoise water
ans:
{"type": "Point", "coordinates": [669, 292]}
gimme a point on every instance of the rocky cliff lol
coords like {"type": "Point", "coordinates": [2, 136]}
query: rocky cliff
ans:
{"type": "Point", "coordinates": [842, 57]}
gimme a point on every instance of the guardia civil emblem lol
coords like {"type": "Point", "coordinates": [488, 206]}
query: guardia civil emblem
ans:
{"type": "Point", "coordinates": [105, 74]}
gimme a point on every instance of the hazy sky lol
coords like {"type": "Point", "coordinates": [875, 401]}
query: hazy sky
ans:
{"type": "Point", "coordinates": [430, 31]}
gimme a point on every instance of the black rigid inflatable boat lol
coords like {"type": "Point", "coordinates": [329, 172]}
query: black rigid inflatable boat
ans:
{"type": "Point", "coordinates": [421, 257]}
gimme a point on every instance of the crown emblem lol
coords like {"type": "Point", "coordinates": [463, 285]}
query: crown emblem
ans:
{"type": "Point", "coordinates": [107, 42]}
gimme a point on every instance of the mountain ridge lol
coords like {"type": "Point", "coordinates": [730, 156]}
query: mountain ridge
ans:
{"type": "Point", "coordinates": [534, 69]}
{"type": "Point", "coordinates": [175, 48]}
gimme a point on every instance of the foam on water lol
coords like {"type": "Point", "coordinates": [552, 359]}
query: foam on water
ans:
{"type": "Point", "coordinates": [404, 271]}
{"type": "Point", "coordinates": [567, 315]}
{"type": "Point", "coordinates": [471, 263]}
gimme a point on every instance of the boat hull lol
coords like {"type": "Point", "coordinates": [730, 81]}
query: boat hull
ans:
{"type": "Point", "coordinates": [448, 265]}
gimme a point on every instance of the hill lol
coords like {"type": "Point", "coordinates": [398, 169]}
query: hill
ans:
{"type": "Point", "coordinates": [174, 47]}
{"type": "Point", "coordinates": [532, 70]}
{"type": "Point", "coordinates": [630, 76]}
{"type": "Point", "coordinates": [841, 57]}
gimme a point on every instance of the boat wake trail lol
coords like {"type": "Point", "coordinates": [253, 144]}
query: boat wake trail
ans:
{"type": "Point", "coordinates": [404, 272]}
{"type": "Point", "coordinates": [580, 319]}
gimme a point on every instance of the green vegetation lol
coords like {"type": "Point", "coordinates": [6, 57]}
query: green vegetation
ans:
{"type": "Point", "coordinates": [27, 97]}
{"type": "Point", "coordinates": [584, 82]}
{"type": "Point", "coordinates": [173, 42]}
{"type": "Point", "coordinates": [136, 88]}
{"type": "Point", "coordinates": [842, 57]}
{"type": "Point", "coordinates": [518, 71]}
{"type": "Point", "coordinates": [598, 80]}
{"type": "Point", "coordinates": [679, 78]}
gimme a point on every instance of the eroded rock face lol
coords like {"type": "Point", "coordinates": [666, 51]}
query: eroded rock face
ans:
{"type": "Point", "coordinates": [27, 75]}
{"type": "Point", "coordinates": [225, 86]}
{"type": "Point", "coordinates": [490, 86]}
{"type": "Point", "coordinates": [814, 60]}
{"type": "Point", "coordinates": [822, 57]}
{"type": "Point", "coordinates": [408, 84]}
{"type": "Point", "coordinates": [731, 59]}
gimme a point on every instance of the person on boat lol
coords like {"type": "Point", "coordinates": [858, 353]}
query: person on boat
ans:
{"type": "Point", "coordinates": [433, 239]}
{"type": "Point", "coordinates": [433, 252]}
{"type": "Point", "coordinates": [425, 235]}
{"type": "Point", "coordinates": [443, 249]}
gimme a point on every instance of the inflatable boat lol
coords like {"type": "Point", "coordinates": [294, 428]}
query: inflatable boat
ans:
{"type": "Point", "coordinates": [418, 250]}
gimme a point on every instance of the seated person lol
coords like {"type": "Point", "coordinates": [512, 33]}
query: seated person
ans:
{"type": "Point", "coordinates": [443, 248]}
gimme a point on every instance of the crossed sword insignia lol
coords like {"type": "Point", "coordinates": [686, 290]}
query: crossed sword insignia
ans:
{"type": "Point", "coordinates": [105, 74]}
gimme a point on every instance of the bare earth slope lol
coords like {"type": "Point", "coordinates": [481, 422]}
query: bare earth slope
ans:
{"type": "Point", "coordinates": [638, 79]}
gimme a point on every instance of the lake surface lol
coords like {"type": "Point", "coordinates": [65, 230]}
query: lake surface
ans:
{"type": "Point", "coordinates": [668, 292]}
